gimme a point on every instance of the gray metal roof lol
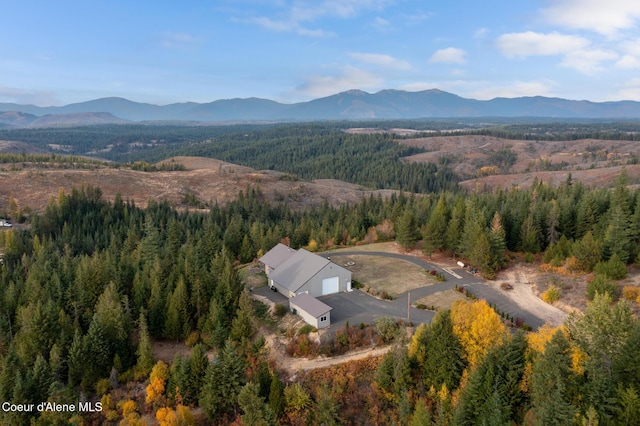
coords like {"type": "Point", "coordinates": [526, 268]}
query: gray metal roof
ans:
{"type": "Point", "coordinates": [310, 304]}
{"type": "Point", "coordinates": [274, 257]}
{"type": "Point", "coordinates": [298, 269]}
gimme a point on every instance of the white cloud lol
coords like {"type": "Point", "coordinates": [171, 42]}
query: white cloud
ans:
{"type": "Point", "coordinates": [537, 44]}
{"type": "Point", "coordinates": [587, 61]}
{"type": "Point", "coordinates": [604, 17]}
{"type": "Point", "coordinates": [577, 52]}
{"type": "Point", "coordinates": [288, 26]}
{"type": "Point", "coordinates": [631, 90]}
{"type": "Point", "coordinates": [628, 62]}
{"type": "Point", "coordinates": [631, 57]}
{"type": "Point", "coordinates": [302, 12]}
{"type": "Point", "coordinates": [450, 55]}
{"type": "Point", "coordinates": [349, 78]}
{"type": "Point", "coordinates": [517, 89]}
{"type": "Point", "coordinates": [381, 60]}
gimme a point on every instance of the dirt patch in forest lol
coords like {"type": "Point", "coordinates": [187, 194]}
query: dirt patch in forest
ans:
{"type": "Point", "coordinates": [523, 291]}
{"type": "Point", "coordinates": [166, 351]}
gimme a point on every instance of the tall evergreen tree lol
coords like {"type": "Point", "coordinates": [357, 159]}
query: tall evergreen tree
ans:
{"type": "Point", "coordinates": [550, 378]}
{"type": "Point", "coordinates": [222, 383]}
{"type": "Point", "coordinates": [407, 231]}
{"type": "Point", "coordinates": [433, 233]}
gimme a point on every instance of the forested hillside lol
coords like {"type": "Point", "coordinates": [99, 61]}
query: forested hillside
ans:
{"type": "Point", "coordinates": [87, 287]}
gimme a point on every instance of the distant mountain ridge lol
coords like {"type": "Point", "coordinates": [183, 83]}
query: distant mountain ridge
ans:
{"type": "Point", "coordinates": [352, 104]}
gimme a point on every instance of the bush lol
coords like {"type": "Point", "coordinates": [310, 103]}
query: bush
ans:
{"type": "Point", "coordinates": [613, 268]}
{"type": "Point", "coordinates": [631, 292]}
{"type": "Point", "coordinates": [306, 329]}
{"type": "Point", "coordinates": [552, 294]}
{"type": "Point", "coordinates": [600, 284]}
{"type": "Point", "coordinates": [387, 328]}
{"type": "Point", "coordinates": [279, 310]}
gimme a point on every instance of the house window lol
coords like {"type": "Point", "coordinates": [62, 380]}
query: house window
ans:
{"type": "Point", "coordinates": [322, 319]}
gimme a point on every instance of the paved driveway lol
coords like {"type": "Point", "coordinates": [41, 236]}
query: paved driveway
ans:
{"type": "Point", "coordinates": [455, 276]}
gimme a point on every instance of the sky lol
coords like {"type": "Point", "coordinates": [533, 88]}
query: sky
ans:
{"type": "Point", "coordinates": [162, 51]}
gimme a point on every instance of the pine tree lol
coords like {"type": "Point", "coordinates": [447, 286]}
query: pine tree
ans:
{"type": "Point", "coordinates": [276, 396]}
{"type": "Point", "coordinates": [197, 369]}
{"type": "Point", "coordinates": [256, 412]}
{"type": "Point", "coordinates": [222, 383]}
{"type": "Point", "coordinates": [144, 352]}
{"type": "Point", "coordinates": [421, 415]}
{"type": "Point", "coordinates": [407, 232]}
{"type": "Point", "coordinates": [434, 231]}
{"type": "Point", "coordinates": [443, 354]}
{"type": "Point", "coordinates": [497, 242]}
{"type": "Point", "coordinates": [588, 251]}
{"type": "Point", "coordinates": [550, 378]}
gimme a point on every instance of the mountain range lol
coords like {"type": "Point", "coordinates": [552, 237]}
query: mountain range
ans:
{"type": "Point", "coordinates": [349, 105]}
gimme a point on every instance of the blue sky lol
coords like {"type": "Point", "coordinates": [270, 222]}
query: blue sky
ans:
{"type": "Point", "coordinates": [54, 53]}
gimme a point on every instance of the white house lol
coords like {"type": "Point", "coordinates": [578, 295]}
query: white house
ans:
{"type": "Point", "coordinates": [302, 276]}
{"type": "Point", "coordinates": [304, 272]}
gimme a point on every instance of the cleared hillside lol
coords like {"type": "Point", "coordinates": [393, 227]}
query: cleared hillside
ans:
{"type": "Point", "coordinates": [206, 181]}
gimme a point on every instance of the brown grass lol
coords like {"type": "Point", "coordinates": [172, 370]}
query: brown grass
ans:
{"type": "Point", "coordinates": [440, 300]}
{"type": "Point", "coordinates": [392, 276]}
{"type": "Point", "coordinates": [211, 181]}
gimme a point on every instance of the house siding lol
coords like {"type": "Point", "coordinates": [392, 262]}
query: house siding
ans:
{"type": "Point", "coordinates": [310, 319]}
{"type": "Point", "coordinates": [314, 285]}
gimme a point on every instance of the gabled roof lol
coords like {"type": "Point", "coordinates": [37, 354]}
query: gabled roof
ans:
{"type": "Point", "coordinates": [274, 257]}
{"type": "Point", "coordinates": [298, 269]}
{"type": "Point", "coordinates": [310, 304]}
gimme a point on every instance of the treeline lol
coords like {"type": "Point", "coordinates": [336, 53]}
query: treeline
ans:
{"type": "Point", "coordinates": [374, 161]}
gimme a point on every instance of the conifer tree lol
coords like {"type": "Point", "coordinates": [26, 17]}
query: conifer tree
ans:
{"type": "Point", "coordinates": [407, 232]}
{"type": "Point", "coordinates": [550, 378]}
{"type": "Point", "coordinates": [144, 353]}
{"type": "Point", "coordinates": [276, 396]}
{"type": "Point", "coordinates": [222, 383]}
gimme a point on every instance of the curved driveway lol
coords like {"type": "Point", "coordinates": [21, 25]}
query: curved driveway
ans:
{"type": "Point", "coordinates": [357, 307]}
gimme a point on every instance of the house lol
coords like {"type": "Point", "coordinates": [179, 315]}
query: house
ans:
{"type": "Point", "coordinates": [304, 272]}
{"type": "Point", "coordinates": [275, 257]}
{"type": "Point", "coordinates": [302, 276]}
{"type": "Point", "coordinates": [313, 311]}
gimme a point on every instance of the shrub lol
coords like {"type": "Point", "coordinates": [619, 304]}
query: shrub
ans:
{"type": "Point", "coordinates": [506, 286]}
{"type": "Point", "coordinates": [600, 284]}
{"type": "Point", "coordinates": [279, 310]}
{"type": "Point", "coordinates": [631, 292]}
{"type": "Point", "coordinates": [306, 329]}
{"type": "Point", "coordinates": [613, 268]}
{"type": "Point", "coordinates": [552, 294]}
{"type": "Point", "coordinates": [387, 328]}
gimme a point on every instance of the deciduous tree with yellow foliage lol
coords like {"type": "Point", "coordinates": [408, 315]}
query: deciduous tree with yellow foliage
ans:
{"type": "Point", "coordinates": [478, 327]}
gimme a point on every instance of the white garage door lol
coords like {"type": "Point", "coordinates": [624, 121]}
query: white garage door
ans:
{"type": "Point", "coordinates": [330, 285]}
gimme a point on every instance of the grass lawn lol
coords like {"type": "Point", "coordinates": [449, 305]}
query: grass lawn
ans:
{"type": "Point", "coordinates": [440, 300]}
{"type": "Point", "coordinates": [382, 274]}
